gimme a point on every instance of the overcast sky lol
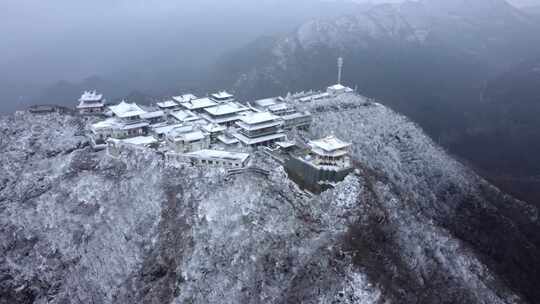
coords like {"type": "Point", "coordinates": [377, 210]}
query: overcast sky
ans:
{"type": "Point", "coordinates": [40, 32]}
{"type": "Point", "coordinates": [70, 38]}
{"type": "Point", "coordinates": [47, 41]}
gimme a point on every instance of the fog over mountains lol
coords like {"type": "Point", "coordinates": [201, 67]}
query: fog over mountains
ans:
{"type": "Point", "coordinates": [437, 61]}
{"type": "Point", "coordinates": [123, 46]}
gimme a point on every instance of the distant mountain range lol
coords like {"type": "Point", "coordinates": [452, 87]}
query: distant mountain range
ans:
{"type": "Point", "coordinates": [489, 34]}
{"type": "Point", "coordinates": [434, 61]}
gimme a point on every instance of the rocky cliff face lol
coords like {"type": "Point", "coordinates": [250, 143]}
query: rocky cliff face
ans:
{"type": "Point", "coordinates": [411, 225]}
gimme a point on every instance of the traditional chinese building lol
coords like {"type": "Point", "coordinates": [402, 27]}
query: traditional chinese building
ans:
{"type": "Point", "coordinates": [187, 139]}
{"type": "Point", "coordinates": [154, 117]}
{"type": "Point", "coordinates": [91, 103]}
{"type": "Point", "coordinates": [218, 158]}
{"type": "Point", "coordinates": [214, 130]}
{"type": "Point", "coordinates": [228, 140]}
{"type": "Point", "coordinates": [327, 162]}
{"type": "Point", "coordinates": [225, 113]}
{"type": "Point", "coordinates": [259, 129]}
{"type": "Point", "coordinates": [184, 116]}
{"type": "Point", "coordinates": [330, 153]}
{"type": "Point", "coordinates": [198, 105]}
{"type": "Point", "coordinates": [222, 97]}
{"type": "Point", "coordinates": [292, 118]}
{"type": "Point", "coordinates": [127, 121]}
{"type": "Point", "coordinates": [168, 105]}
{"type": "Point", "coordinates": [127, 111]}
{"type": "Point", "coordinates": [338, 89]}
{"type": "Point", "coordinates": [160, 131]}
{"type": "Point", "coordinates": [265, 103]}
{"type": "Point", "coordinates": [114, 128]}
{"type": "Point", "coordinates": [312, 96]}
{"type": "Point", "coordinates": [184, 98]}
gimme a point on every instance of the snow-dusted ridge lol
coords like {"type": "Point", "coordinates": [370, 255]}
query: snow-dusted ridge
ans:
{"type": "Point", "coordinates": [412, 225]}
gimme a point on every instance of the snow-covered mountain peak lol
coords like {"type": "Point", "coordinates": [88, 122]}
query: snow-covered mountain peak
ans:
{"type": "Point", "coordinates": [411, 224]}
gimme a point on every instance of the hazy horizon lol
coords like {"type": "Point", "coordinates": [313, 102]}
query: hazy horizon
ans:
{"type": "Point", "coordinates": [72, 40]}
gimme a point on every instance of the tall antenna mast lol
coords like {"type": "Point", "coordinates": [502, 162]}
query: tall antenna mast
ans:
{"type": "Point", "coordinates": [340, 69]}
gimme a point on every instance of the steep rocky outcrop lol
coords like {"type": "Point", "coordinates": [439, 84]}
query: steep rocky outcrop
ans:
{"type": "Point", "coordinates": [411, 225]}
